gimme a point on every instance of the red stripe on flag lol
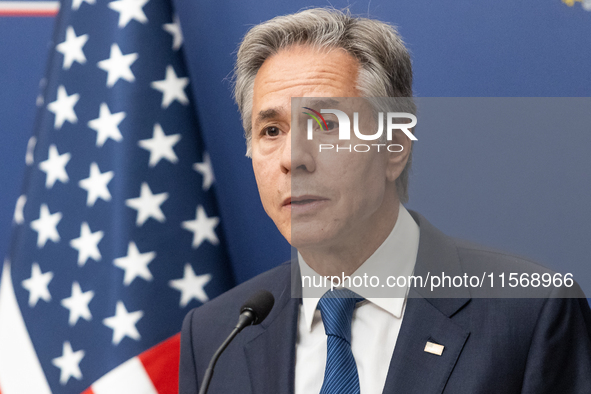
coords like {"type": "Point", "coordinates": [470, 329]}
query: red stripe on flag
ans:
{"type": "Point", "coordinates": [29, 8]}
{"type": "Point", "coordinates": [87, 391]}
{"type": "Point", "coordinates": [29, 13]}
{"type": "Point", "coordinates": [162, 365]}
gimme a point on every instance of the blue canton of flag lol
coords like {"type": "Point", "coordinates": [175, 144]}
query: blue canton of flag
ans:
{"type": "Point", "coordinates": [116, 235]}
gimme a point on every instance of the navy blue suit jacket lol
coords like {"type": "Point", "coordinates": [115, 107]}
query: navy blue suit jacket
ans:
{"type": "Point", "coordinates": [492, 345]}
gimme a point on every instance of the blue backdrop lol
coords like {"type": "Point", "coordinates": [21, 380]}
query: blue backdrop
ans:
{"type": "Point", "coordinates": [531, 197]}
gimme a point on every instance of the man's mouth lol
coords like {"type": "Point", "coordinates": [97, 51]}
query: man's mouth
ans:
{"type": "Point", "coordinates": [303, 200]}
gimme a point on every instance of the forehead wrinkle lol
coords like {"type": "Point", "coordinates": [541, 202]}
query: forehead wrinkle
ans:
{"type": "Point", "coordinates": [316, 82]}
{"type": "Point", "coordinates": [297, 79]}
{"type": "Point", "coordinates": [323, 102]}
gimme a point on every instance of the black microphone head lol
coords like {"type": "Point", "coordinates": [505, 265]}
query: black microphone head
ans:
{"type": "Point", "coordinates": [260, 304]}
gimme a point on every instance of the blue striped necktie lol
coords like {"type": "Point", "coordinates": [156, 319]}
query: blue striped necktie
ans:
{"type": "Point", "coordinates": [340, 375]}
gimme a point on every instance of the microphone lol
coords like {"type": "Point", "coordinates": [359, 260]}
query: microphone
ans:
{"type": "Point", "coordinates": [252, 312]}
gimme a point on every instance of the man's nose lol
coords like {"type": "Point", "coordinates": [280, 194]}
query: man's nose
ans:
{"type": "Point", "coordinates": [297, 155]}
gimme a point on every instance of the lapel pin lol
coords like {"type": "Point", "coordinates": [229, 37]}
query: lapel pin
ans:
{"type": "Point", "coordinates": [434, 348]}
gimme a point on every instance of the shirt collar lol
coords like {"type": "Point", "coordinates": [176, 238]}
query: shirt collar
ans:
{"type": "Point", "coordinates": [396, 256]}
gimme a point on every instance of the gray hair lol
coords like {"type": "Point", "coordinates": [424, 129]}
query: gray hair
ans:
{"type": "Point", "coordinates": [385, 66]}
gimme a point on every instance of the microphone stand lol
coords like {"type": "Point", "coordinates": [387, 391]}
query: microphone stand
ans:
{"type": "Point", "coordinates": [246, 319]}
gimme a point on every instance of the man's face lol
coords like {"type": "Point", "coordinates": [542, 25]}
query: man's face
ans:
{"type": "Point", "coordinates": [317, 199]}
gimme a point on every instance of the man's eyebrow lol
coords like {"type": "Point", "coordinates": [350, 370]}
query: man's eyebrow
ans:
{"type": "Point", "coordinates": [268, 114]}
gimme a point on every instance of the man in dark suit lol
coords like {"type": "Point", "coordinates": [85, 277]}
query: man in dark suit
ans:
{"type": "Point", "coordinates": [343, 212]}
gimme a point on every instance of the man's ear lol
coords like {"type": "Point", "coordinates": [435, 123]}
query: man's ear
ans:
{"type": "Point", "coordinates": [397, 160]}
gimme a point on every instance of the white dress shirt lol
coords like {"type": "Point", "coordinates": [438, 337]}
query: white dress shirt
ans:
{"type": "Point", "coordinates": [376, 321]}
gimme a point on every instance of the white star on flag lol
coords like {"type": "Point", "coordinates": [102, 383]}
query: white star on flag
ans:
{"type": "Point", "coordinates": [96, 185]}
{"type": "Point", "coordinates": [29, 157]}
{"type": "Point", "coordinates": [46, 226]}
{"type": "Point", "coordinates": [172, 88]}
{"type": "Point", "coordinates": [107, 125]}
{"type": "Point", "coordinates": [206, 170]}
{"type": "Point", "coordinates": [147, 205]}
{"type": "Point", "coordinates": [77, 3]}
{"type": "Point", "coordinates": [55, 167]}
{"type": "Point", "coordinates": [191, 286]}
{"type": "Point", "coordinates": [118, 66]}
{"type": "Point", "coordinates": [87, 244]}
{"type": "Point", "coordinates": [160, 146]}
{"type": "Point", "coordinates": [63, 107]}
{"type": "Point", "coordinates": [69, 363]}
{"type": "Point", "coordinates": [77, 304]}
{"type": "Point", "coordinates": [128, 10]}
{"type": "Point", "coordinates": [135, 264]}
{"type": "Point", "coordinates": [19, 217]}
{"type": "Point", "coordinates": [174, 28]}
{"type": "Point", "coordinates": [123, 323]}
{"type": "Point", "coordinates": [71, 48]}
{"type": "Point", "coordinates": [37, 285]}
{"type": "Point", "coordinates": [203, 227]}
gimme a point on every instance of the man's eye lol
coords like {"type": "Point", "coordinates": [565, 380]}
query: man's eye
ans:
{"type": "Point", "coordinates": [330, 124]}
{"type": "Point", "coordinates": [271, 131]}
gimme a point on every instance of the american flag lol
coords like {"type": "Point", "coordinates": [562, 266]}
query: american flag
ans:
{"type": "Point", "coordinates": [116, 235]}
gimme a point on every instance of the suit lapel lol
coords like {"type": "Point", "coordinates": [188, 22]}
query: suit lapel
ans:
{"type": "Point", "coordinates": [412, 370]}
{"type": "Point", "coordinates": [270, 354]}
{"type": "Point", "coordinates": [427, 318]}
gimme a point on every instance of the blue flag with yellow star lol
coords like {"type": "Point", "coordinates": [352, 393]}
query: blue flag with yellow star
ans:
{"type": "Point", "coordinates": [116, 233]}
